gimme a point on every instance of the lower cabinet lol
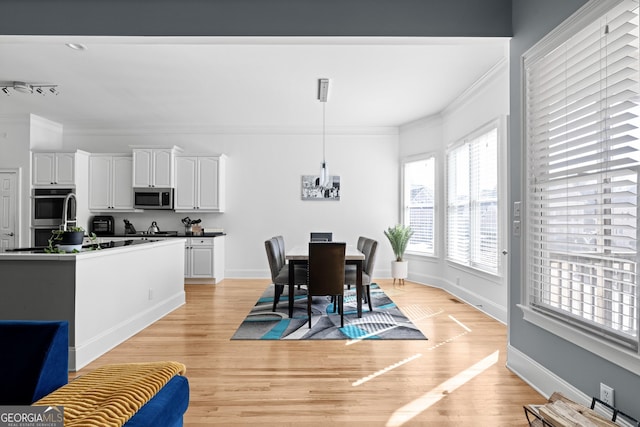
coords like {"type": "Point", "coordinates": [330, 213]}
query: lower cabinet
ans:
{"type": "Point", "coordinates": [204, 259]}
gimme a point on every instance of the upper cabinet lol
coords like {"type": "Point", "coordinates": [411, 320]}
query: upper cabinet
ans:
{"type": "Point", "coordinates": [200, 183]}
{"type": "Point", "coordinates": [154, 167]}
{"type": "Point", "coordinates": [54, 169]}
{"type": "Point", "coordinates": [110, 179]}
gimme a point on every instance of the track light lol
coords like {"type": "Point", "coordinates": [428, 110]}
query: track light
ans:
{"type": "Point", "coordinates": [24, 87]}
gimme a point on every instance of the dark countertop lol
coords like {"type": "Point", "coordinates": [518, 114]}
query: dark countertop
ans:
{"type": "Point", "coordinates": [89, 247]}
{"type": "Point", "coordinates": [163, 235]}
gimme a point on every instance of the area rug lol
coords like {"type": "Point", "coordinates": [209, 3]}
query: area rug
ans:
{"type": "Point", "coordinates": [385, 322]}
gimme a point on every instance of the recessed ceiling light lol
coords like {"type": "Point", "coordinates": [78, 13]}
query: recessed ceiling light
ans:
{"type": "Point", "coordinates": [76, 46]}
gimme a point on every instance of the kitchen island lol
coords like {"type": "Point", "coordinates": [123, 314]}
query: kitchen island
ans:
{"type": "Point", "coordinates": [106, 295]}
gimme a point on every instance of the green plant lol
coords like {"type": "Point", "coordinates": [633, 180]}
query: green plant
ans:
{"type": "Point", "coordinates": [56, 236]}
{"type": "Point", "coordinates": [399, 236]}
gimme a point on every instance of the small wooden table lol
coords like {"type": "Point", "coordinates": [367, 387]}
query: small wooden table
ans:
{"type": "Point", "coordinates": [299, 255]}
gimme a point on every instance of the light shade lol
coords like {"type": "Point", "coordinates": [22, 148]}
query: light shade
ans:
{"type": "Point", "coordinates": [324, 175]}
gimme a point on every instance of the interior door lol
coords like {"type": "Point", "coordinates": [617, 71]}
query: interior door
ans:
{"type": "Point", "coordinates": [8, 210]}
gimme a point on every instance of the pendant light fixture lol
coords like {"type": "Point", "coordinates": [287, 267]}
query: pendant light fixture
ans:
{"type": "Point", "coordinates": [323, 92]}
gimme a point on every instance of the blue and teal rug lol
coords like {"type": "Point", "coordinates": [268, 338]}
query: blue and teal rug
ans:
{"type": "Point", "coordinates": [385, 322]}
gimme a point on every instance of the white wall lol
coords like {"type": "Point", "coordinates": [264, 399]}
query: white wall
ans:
{"type": "Point", "coordinates": [486, 101]}
{"type": "Point", "coordinates": [18, 135]}
{"type": "Point", "coordinates": [263, 189]}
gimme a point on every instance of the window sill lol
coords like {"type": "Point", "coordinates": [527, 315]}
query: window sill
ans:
{"type": "Point", "coordinates": [419, 255]}
{"type": "Point", "coordinates": [619, 356]}
{"type": "Point", "coordinates": [486, 275]}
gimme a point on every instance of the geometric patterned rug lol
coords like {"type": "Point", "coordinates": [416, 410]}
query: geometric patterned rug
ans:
{"type": "Point", "coordinates": [385, 322]}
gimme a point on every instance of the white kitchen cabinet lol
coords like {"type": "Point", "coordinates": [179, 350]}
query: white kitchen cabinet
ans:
{"type": "Point", "coordinates": [54, 169]}
{"type": "Point", "coordinates": [200, 183]}
{"type": "Point", "coordinates": [154, 167]}
{"type": "Point", "coordinates": [204, 258]}
{"type": "Point", "coordinates": [110, 179]}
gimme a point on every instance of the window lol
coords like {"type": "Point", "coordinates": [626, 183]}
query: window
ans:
{"type": "Point", "coordinates": [582, 149]}
{"type": "Point", "coordinates": [419, 203]}
{"type": "Point", "coordinates": [472, 201]}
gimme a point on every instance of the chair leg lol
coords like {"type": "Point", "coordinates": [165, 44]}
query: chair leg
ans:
{"type": "Point", "coordinates": [276, 297]}
{"type": "Point", "coordinates": [309, 309]}
{"type": "Point", "coordinates": [342, 311]}
{"type": "Point", "coordinates": [369, 297]}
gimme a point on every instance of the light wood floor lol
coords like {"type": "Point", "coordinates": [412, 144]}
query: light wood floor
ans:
{"type": "Point", "coordinates": [457, 377]}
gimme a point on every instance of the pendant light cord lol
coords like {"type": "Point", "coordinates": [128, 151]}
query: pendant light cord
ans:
{"type": "Point", "coordinates": [323, 135]}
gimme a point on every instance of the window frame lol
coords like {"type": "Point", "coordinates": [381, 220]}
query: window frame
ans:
{"type": "Point", "coordinates": [579, 335]}
{"type": "Point", "coordinates": [404, 204]}
{"type": "Point", "coordinates": [499, 125]}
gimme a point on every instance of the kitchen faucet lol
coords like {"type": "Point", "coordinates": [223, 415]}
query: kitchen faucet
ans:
{"type": "Point", "coordinates": [65, 211]}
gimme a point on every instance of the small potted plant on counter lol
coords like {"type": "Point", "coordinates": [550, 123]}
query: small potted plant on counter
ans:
{"type": "Point", "coordinates": [399, 236]}
{"type": "Point", "coordinates": [68, 240]}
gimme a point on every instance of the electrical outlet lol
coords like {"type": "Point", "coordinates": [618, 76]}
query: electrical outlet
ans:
{"type": "Point", "coordinates": [606, 394]}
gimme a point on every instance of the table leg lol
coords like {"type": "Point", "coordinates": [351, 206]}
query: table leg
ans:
{"type": "Point", "coordinates": [291, 286]}
{"type": "Point", "coordinates": [359, 286]}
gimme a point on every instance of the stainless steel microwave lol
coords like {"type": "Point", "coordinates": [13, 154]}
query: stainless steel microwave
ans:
{"type": "Point", "coordinates": [153, 198]}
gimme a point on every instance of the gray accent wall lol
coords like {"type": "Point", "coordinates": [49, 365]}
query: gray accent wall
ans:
{"type": "Point", "coordinates": [582, 369]}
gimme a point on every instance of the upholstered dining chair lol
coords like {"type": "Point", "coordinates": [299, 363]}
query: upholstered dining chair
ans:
{"type": "Point", "coordinates": [368, 247]}
{"type": "Point", "coordinates": [279, 269]}
{"type": "Point", "coordinates": [326, 274]}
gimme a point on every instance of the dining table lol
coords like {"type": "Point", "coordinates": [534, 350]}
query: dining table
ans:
{"type": "Point", "coordinates": [299, 255]}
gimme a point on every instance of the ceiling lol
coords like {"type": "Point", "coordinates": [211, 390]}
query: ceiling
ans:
{"type": "Point", "coordinates": [217, 84]}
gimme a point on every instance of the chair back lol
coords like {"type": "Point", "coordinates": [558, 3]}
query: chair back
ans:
{"type": "Point", "coordinates": [361, 241]}
{"type": "Point", "coordinates": [326, 268]}
{"type": "Point", "coordinates": [369, 250]}
{"type": "Point", "coordinates": [273, 256]}
{"type": "Point", "coordinates": [281, 251]}
{"type": "Point", "coordinates": [321, 236]}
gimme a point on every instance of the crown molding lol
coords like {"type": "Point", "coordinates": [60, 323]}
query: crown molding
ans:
{"type": "Point", "coordinates": [228, 130]}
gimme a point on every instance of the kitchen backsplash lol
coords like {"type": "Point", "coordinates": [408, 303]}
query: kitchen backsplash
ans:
{"type": "Point", "coordinates": [166, 220]}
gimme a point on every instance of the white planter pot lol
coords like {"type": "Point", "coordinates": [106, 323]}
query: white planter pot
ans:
{"type": "Point", "coordinates": [399, 269]}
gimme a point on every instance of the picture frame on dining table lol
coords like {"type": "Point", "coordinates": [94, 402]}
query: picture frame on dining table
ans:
{"type": "Point", "coordinates": [312, 190]}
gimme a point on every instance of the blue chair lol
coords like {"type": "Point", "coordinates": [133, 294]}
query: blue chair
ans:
{"type": "Point", "coordinates": [35, 355]}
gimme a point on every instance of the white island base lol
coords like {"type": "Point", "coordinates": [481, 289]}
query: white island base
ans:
{"type": "Point", "coordinates": [106, 295]}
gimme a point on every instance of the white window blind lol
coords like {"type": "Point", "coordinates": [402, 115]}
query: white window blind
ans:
{"type": "Point", "coordinates": [419, 204]}
{"type": "Point", "coordinates": [472, 202]}
{"type": "Point", "coordinates": [581, 114]}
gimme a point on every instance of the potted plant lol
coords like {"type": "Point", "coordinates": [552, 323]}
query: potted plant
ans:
{"type": "Point", "coordinates": [68, 240]}
{"type": "Point", "coordinates": [399, 236]}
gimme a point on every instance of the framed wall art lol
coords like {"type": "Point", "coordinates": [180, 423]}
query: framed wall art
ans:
{"type": "Point", "coordinates": [312, 190]}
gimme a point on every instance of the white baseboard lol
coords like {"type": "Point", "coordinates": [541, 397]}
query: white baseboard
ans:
{"type": "Point", "coordinates": [472, 299]}
{"type": "Point", "coordinates": [84, 353]}
{"type": "Point", "coordinates": [540, 378]}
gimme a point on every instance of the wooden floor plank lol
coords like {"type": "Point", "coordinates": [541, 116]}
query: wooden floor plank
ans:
{"type": "Point", "coordinates": [457, 377]}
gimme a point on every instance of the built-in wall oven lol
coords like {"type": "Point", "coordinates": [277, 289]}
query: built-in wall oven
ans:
{"type": "Point", "coordinates": [46, 207]}
{"type": "Point", "coordinates": [47, 204]}
{"type": "Point", "coordinates": [41, 235]}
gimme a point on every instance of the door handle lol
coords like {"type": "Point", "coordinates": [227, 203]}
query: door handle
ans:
{"type": "Point", "coordinates": [9, 234]}
{"type": "Point", "coordinates": [504, 252]}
